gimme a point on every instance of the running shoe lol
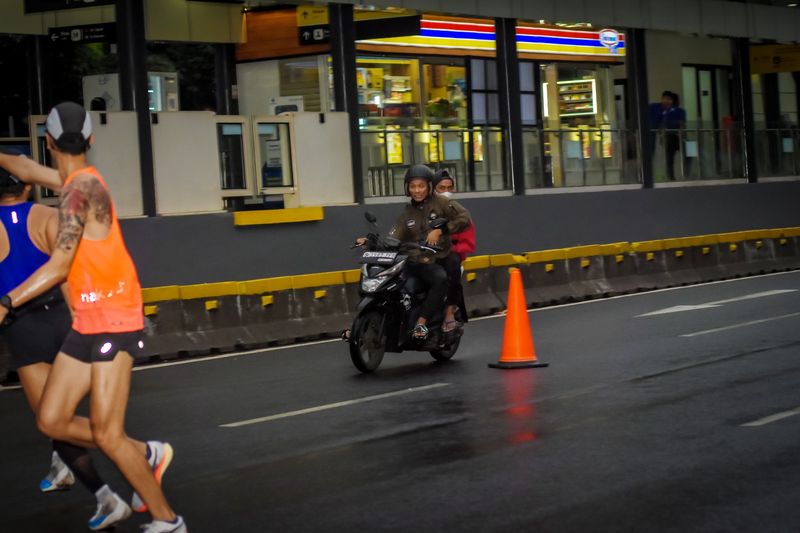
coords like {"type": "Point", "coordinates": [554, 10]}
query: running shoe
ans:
{"type": "Point", "coordinates": [60, 476]}
{"type": "Point", "coordinates": [161, 455]}
{"type": "Point", "coordinates": [109, 512]}
{"type": "Point", "coordinates": [162, 526]}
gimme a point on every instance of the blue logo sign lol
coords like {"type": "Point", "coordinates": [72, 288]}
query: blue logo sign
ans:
{"type": "Point", "coordinates": [610, 39]}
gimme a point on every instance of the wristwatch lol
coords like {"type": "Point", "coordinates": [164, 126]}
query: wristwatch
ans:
{"type": "Point", "coordinates": [5, 301]}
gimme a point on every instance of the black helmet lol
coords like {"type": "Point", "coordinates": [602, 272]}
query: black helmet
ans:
{"type": "Point", "coordinates": [419, 172]}
{"type": "Point", "coordinates": [440, 175]}
{"type": "Point", "coordinates": [10, 185]}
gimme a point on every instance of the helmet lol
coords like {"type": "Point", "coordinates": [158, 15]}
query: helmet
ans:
{"type": "Point", "coordinates": [440, 175]}
{"type": "Point", "coordinates": [9, 184]}
{"type": "Point", "coordinates": [419, 172]}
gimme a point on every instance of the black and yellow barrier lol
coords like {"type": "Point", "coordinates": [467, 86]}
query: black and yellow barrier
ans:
{"type": "Point", "coordinates": [164, 326]}
{"type": "Point", "coordinates": [787, 247]}
{"type": "Point", "coordinates": [546, 278]}
{"type": "Point", "coordinates": [479, 293]}
{"type": "Point", "coordinates": [218, 317]}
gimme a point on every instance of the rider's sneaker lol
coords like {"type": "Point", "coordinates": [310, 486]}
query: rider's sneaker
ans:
{"type": "Point", "coordinates": [110, 511]}
{"type": "Point", "coordinates": [60, 476]}
{"type": "Point", "coordinates": [162, 526]}
{"type": "Point", "coordinates": [159, 457]}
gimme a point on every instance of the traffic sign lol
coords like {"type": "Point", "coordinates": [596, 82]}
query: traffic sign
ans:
{"type": "Point", "coordinates": [89, 33]}
{"type": "Point", "coordinates": [315, 34]}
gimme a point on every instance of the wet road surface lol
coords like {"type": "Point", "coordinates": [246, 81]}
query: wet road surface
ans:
{"type": "Point", "coordinates": [686, 419]}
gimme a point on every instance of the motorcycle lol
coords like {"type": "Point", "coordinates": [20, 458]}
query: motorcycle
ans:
{"type": "Point", "coordinates": [390, 304]}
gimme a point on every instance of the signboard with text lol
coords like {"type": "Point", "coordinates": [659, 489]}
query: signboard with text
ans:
{"type": "Point", "coordinates": [772, 58]}
{"type": "Point", "coordinates": [40, 6]}
{"type": "Point", "coordinates": [89, 33]}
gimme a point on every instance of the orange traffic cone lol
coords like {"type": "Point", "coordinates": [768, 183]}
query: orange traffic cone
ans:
{"type": "Point", "coordinates": [518, 350]}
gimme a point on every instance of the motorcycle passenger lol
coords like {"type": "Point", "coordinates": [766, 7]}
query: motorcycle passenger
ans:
{"type": "Point", "coordinates": [463, 243]}
{"type": "Point", "coordinates": [414, 225]}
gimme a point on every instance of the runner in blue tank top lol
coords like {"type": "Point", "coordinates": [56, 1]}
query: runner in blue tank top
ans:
{"type": "Point", "coordinates": [36, 330]}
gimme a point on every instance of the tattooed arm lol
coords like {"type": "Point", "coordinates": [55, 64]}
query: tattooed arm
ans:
{"type": "Point", "coordinates": [72, 214]}
{"type": "Point", "coordinates": [30, 171]}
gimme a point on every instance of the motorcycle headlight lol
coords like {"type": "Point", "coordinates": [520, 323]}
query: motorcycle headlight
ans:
{"type": "Point", "coordinates": [371, 284]}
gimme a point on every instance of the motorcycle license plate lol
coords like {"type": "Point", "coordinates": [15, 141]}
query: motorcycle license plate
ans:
{"type": "Point", "coordinates": [378, 258]}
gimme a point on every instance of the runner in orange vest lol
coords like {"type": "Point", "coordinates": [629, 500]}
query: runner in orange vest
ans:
{"type": "Point", "coordinates": [108, 322]}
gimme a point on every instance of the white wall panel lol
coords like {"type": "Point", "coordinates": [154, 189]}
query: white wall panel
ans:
{"type": "Point", "coordinates": [667, 52]}
{"type": "Point", "coordinates": [258, 82]}
{"type": "Point", "coordinates": [115, 153]}
{"type": "Point", "coordinates": [186, 162]}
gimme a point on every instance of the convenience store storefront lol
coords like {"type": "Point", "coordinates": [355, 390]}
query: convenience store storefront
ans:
{"type": "Point", "coordinates": [433, 97]}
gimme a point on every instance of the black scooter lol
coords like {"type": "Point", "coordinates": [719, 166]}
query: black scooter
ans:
{"type": "Point", "coordinates": [390, 305]}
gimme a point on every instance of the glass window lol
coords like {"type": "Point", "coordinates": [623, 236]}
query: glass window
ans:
{"type": "Point", "coordinates": [299, 78]}
{"type": "Point", "coordinates": [528, 102]}
{"type": "Point", "coordinates": [388, 91]}
{"type": "Point", "coordinates": [444, 87]}
{"type": "Point", "coordinates": [478, 74]}
{"type": "Point", "coordinates": [230, 140]}
{"type": "Point", "coordinates": [274, 152]}
{"type": "Point", "coordinates": [494, 108]}
{"type": "Point", "coordinates": [526, 77]}
{"type": "Point", "coordinates": [485, 101]}
{"type": "Point", "coordinates": [491, 75]}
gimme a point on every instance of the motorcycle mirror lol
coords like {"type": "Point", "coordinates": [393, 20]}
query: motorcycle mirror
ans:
{"type": "Point", "coordinates": [371, 218]}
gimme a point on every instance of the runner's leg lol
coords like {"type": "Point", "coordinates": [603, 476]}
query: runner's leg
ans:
{"type": "Point", "coordinates": [33, 379]}
{"type": "Point", "coordinates": [68, 383]}
{"type": "Point", "coordinates": [110, 387]}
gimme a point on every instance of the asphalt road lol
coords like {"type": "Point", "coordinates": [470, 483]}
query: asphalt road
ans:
{"type": "Point", "coordinates": [679, 421]}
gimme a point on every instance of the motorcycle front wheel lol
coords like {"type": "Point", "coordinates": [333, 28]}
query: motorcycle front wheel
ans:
{"type": "Point", "coordinates": [367, 342]}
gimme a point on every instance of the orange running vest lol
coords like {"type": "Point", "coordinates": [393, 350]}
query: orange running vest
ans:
{"type": "Point", "coordinates": [103, 285]}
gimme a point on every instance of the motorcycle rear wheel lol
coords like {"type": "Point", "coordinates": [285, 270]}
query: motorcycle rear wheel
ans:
{"type": "Point", "coordinates": [446, 353]}
{"type": "Point", "coordinates": [367, 342]}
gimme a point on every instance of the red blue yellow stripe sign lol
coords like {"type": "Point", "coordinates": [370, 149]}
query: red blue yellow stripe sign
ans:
{"type": "Point", "coordinates": [449, 34]}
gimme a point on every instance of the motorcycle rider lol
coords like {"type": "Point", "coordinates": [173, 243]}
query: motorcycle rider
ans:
{"type": "Point", "coordinates": [463, 243]}
{"type": "Point", "coordinates": [414, 225]}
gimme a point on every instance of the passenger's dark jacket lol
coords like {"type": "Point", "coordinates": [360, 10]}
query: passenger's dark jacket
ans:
{"type": "Point", "coordinates": [413, 224]}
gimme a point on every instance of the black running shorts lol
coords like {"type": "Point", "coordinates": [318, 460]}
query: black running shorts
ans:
{"type": "Point", "coordinates": [101, 347]}
{"type": "Point", "coordinates": [36, 332]}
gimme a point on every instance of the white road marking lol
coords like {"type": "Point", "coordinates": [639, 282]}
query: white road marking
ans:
{"type": "Point", "coordinates": [771, 418]}
{"type": "Point", "coordinates": [709, 305]}
{"type": "Point", "coordinates": [10, 387]}
{"type": "Point", "coordinates": [742, 324]}
{"type": "Point", "coordinates": [204, 359]}
{"type": "Point", "coordinates": [333, 405]}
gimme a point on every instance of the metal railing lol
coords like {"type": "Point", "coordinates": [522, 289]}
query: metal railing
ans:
{"type": "Point", "coordinates": [583, 156]}
{"type": "Point", "coordinates": [777, 151]}
{"type": "Point", "coordinates": [696, 154]}
{"type": "Point", "coordinates": [473, 156]}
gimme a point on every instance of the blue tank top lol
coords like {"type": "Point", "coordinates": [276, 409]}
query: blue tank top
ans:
{"type": "Point", "coordinates": [23, 257]}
